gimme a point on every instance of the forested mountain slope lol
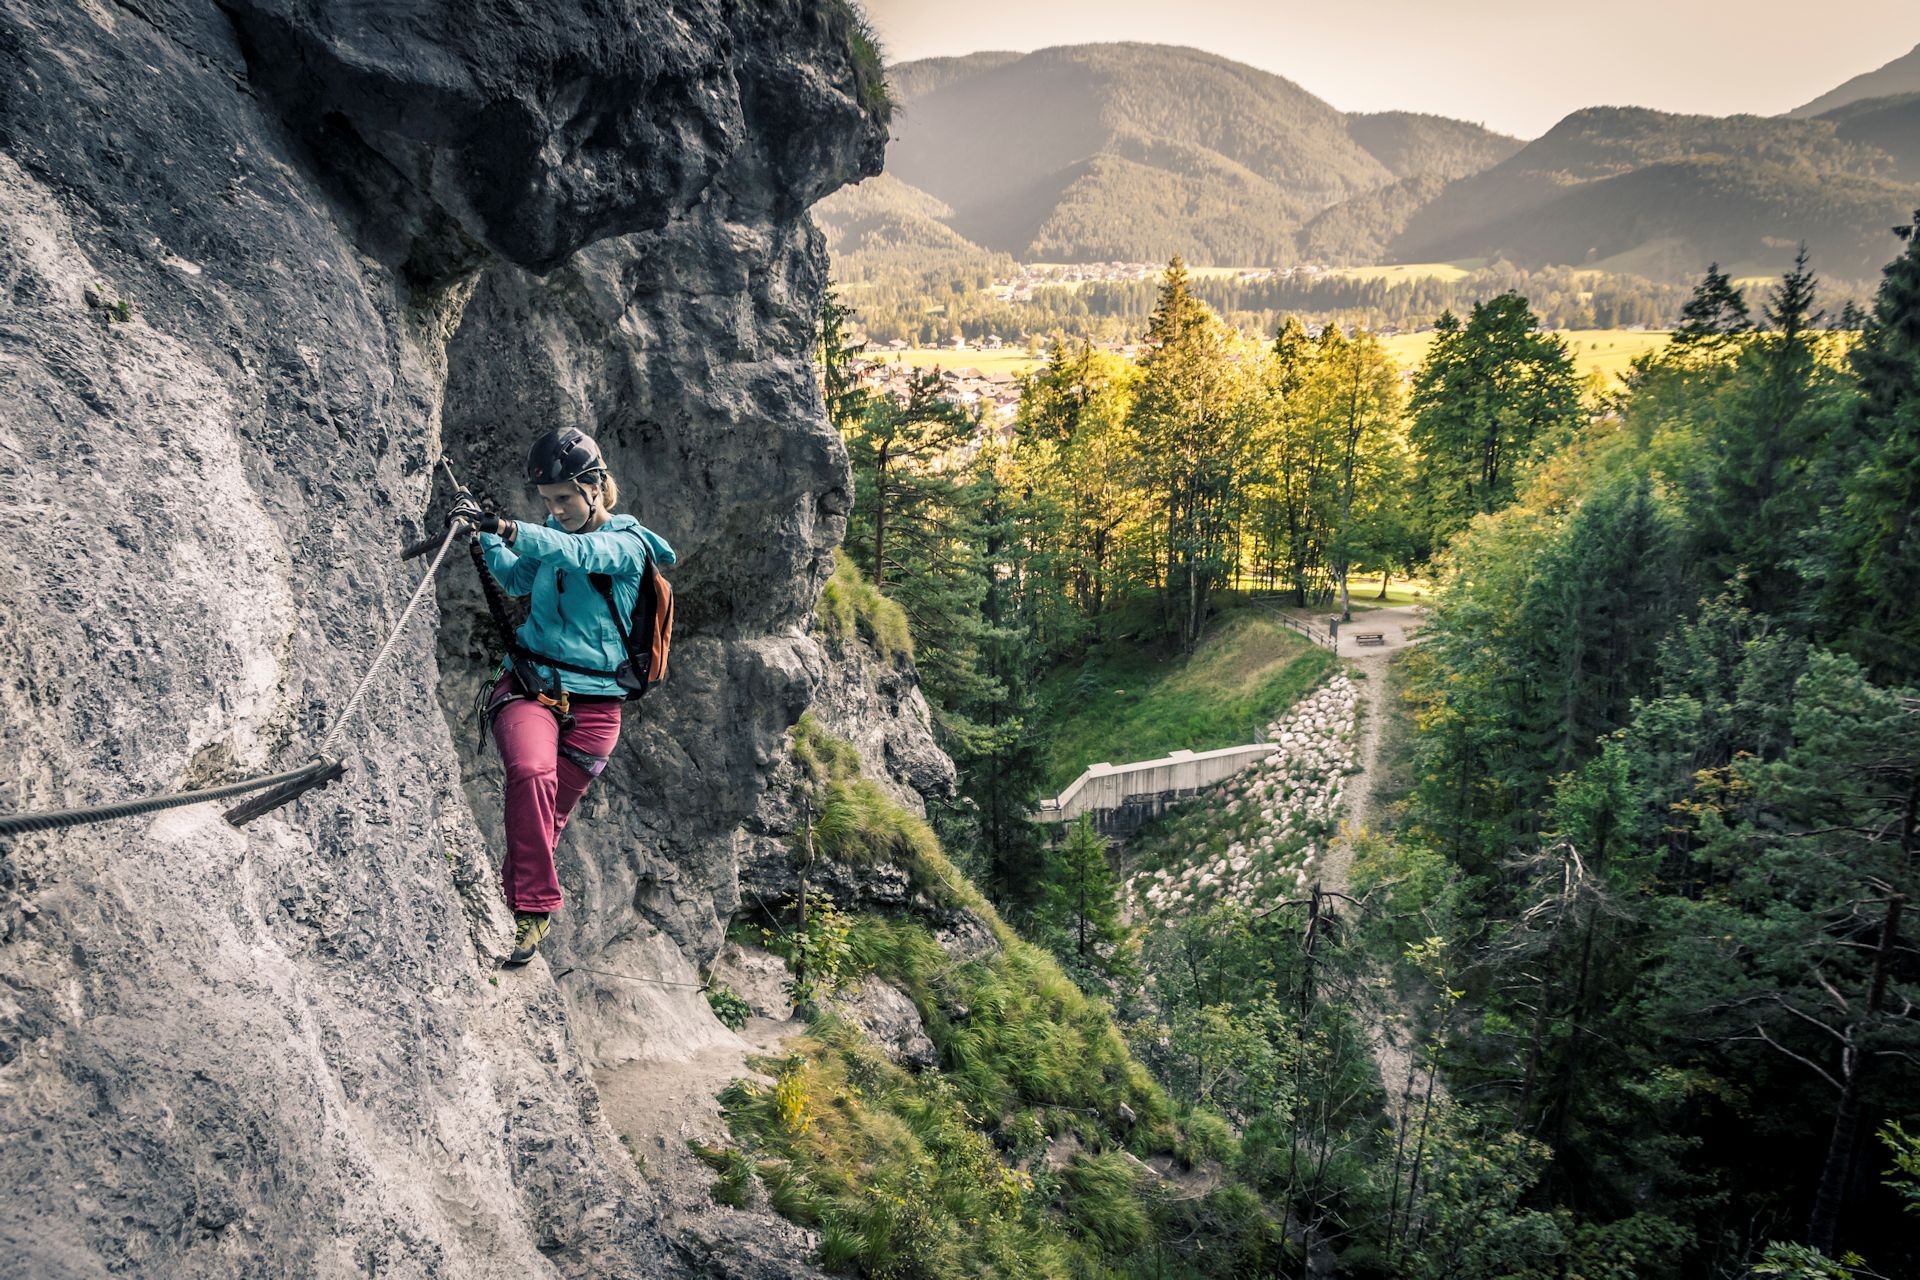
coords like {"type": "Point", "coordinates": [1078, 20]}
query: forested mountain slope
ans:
{"type": "Point", "coordinates": [1136, 151]}
{"type": "Point", "coordinates": [1892, 124]}
{"type": "Point", "coordinates": [1177, 150]}
{"type": "Point", "coordinates": [1675, 190]}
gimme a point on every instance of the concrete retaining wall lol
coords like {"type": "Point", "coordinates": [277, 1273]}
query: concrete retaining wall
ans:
{"type": "Point", "coordinates": [1122, 796]}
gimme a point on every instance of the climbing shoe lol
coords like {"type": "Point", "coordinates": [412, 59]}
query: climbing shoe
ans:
{"type": "Point", "coordinates": [528, 928]}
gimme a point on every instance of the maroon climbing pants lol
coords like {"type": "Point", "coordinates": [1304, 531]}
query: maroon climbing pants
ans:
{"type": "Point", "coordinates": [543, 785]}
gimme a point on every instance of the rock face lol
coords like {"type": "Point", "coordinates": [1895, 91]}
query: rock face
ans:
{"type": "Point", "coordinates": [877, 706]}
{"type": "Point", "coordinates": [261, 263]}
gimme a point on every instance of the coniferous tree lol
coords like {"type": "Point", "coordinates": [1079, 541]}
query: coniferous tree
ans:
{"type": "Point", "coordinates": [915, 531]}
{"type": "Point", "coordinates": [1365, 402]}
{"type": "Point", "coordinates": [906, 487]}
{"type": "Point", "coordinates": [1716, 311]}
{"type": "Point", "coordinates": [835, 352]}
{"type": "Point", "coordinates": [1790, 960]}
{"type": "Point", "coordinates": [1766, 435]}
{"type": "Point", "coordinates": [1080, 493]}
{"type": "Point", "coordinates": [1287, 478]}
{"type": "Point", "coordinates": [1190, 428]}
{"type": "Point", "coordinates": [1873, 556]}
{"type": "Point", "coordinates": [998, 756]}
{"type": "Point", "coordinates": [1081, 894]}
{"type": "Point", "coordinates": [1492, 395]}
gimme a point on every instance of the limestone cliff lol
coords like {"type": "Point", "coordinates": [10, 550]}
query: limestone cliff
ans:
{"type": "Point", "coordinates": [261, 263]}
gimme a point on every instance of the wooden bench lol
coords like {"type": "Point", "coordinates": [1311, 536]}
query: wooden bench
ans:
{"type": "Point", "coordinates": [1369, 637]}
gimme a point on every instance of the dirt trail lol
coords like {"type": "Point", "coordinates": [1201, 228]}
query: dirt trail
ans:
{"type": "Point", "coordinates": [1389, 1029]}
{"type": "Point", "coordinates": [658, 1107]}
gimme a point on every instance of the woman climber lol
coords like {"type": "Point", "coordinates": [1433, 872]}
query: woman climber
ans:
{"type": "Point", "coordinates": [555, 707]}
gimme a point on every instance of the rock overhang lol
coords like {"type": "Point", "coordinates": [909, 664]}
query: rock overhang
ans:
{"type": "Point", "coordinates": [532, 130]}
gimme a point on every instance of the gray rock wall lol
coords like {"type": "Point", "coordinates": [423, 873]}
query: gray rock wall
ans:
{"type": "Point", "coordinates": [877, 706]}
{"type": "Point", "coordinates": [281, 1051]}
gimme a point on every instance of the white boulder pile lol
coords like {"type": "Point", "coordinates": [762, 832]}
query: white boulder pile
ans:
{"type": "Point", "coordinates": [1258, 837]}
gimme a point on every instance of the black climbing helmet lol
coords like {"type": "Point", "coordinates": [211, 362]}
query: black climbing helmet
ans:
{"type": "Point", "coordinates": [565, 453]}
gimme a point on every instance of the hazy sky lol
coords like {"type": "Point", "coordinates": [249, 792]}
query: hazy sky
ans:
{"type": "Point", "coordinates": [1513, 65]}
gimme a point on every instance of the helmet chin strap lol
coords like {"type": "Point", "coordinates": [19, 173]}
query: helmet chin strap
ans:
{"type": "Point", "coordinates": [593, 505]}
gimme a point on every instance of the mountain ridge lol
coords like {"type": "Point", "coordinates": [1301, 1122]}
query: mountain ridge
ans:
{"type": "Point", "coordinates": [1902, 75]}
{"type": "Point", "coordinates": [1132, 151]}
{"type": "Point", "coordinates": [1092, 118]}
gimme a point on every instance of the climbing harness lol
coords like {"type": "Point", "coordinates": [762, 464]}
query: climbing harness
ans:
{"type": "Point", "coordinates": [277, 788]}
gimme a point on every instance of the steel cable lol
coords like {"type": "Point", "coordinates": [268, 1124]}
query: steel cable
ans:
{"type": "Point", "coordinates": [16, 823]}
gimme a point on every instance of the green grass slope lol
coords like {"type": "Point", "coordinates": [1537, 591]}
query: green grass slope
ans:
{"type": "Point", "coordinates": [1024, 1153]}
{"type": "Point", "coordinates": [1128, 702]}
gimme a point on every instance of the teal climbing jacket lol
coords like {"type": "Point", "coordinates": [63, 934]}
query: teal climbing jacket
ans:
{"type": "Point", "coordinates": [569, 620]}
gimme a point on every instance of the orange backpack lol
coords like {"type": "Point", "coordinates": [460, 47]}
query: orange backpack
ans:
{"type": "Point", "coordinates": [647, 634]}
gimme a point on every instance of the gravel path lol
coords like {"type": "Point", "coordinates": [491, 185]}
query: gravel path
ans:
{"type": "Point", "coordinates": [1389, 1030]}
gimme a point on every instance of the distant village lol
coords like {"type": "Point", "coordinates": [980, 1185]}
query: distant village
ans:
{"type": "Point", "coordinates": [996, 395]}
{"type": "Point", "coordinates": [1019, 287]}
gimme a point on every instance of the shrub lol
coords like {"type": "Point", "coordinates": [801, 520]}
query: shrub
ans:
{"type": "Point", "coordinates": [817, 951]}
{"type": "Point", "coordinates": [792, 1105]}
{"type": "Point", "coordinates": [727, 1005]}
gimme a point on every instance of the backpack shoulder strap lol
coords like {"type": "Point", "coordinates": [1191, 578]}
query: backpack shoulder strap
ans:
{"type": "Point", "coordinates": [640, 664]}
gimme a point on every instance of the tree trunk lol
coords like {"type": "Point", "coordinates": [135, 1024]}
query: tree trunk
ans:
{"type": "Point", "coordinates": [1838, 1170]}
{"type": "Point", "coordinates": [880, 521]}
{"type": "Point", "coordinates": [1083, 915]}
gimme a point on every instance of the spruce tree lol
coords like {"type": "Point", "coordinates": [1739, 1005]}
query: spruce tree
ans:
{"type": "Point", "coordinates": [1190, 436]}
{"type": "Point", "coordinates": [1716, 311]}
{"type": "Point", "coordinates": [1766, 436]}
{"type": "Point", "coordinates": [835, 351]}
{"type": "Point", "coordinates": [1874, 554]}
{"type": "Point", "coordinates": [998, 753]}
{"type": "Point", "coordinates": [1081, 893]}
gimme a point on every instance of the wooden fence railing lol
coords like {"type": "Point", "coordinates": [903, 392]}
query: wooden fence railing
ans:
{"type": "Point", "coordinates": [1318, 633]}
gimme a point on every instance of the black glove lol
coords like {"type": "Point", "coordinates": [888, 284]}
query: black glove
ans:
{"type": "Point", "coordinates": [470, 511]}
{"type": "Point", "coordinates": [465, 508]}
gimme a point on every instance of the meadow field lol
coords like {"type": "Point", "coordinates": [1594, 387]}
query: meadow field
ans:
{"type": "Point", "coordinates": [1607, 352]}
{"type": "Point", "coordinates": [1603, 351]}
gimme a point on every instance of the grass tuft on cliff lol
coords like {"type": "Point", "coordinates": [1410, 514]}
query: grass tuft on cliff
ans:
{"type": "Point", "coordinates": [860, 825]}
{"type": "Point", "coordinates": [869, 60]}
{"type": "Point", "coordinates": [852, 609]}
